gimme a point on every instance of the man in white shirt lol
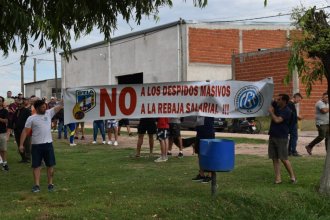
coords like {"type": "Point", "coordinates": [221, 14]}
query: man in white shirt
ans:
{"type": "Point", "coordinates": [42, 142]}
{"type": "Point", "coordinates": [322, 123]}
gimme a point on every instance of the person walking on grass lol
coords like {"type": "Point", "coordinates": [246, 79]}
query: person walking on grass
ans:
{"type": "Point", "coordinates": [162, 136]}
{"type": "Point", "coordinates": [42, 142]}
{"type": "Point", "coordinates": [279, 129]}
{"type": "Point", "coordinates": [3, 134]}
{"type": "Point", "coordinates": [294, 125]}
{"type": "Point", "coordinates": [322, 123]}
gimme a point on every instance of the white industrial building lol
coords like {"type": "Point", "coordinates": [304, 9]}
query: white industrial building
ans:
{"type": "Point", "coordinates": [178, 51]}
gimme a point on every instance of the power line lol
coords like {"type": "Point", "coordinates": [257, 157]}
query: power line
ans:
{"type": "Point", "coordinates": [8, 64]}
{"type": "Point", "coordinates": [34, 55]}
{"type": "Point", "coordinates": [206, 20]}
{"type": "Point", "coordinates": [258, 18]}
{"type": "Point", "coordinates": [48, 60]}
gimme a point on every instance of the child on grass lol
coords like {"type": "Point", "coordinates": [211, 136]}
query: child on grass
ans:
{"type": "Point", "coordinates": [162, 135]}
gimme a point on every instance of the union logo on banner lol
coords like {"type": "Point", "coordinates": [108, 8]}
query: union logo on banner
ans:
{"type": "Point", "coordinates": [85, 101]}
{"type": "Point", "coordinates": [248, 100]}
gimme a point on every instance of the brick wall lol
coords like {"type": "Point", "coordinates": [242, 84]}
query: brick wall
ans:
{"type": "Point", "coordinates": [215, 46]}
{"type": "Point", "coordinates": [255, 39]}
{"type": "Point", "coordinates": [273, 63]}
{"type": "Point", "coordinates": [212, 46]}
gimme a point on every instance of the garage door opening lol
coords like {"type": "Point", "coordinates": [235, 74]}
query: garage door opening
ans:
{"type": "Point", "coordinates": [136, 78]}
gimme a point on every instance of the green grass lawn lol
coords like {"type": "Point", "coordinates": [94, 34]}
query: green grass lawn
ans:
{"type": "Point", "coordinates": [100, 182]}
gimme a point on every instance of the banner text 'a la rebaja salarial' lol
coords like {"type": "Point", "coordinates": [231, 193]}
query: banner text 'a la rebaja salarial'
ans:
{"type": "Point", "coordinates": [222, 99]}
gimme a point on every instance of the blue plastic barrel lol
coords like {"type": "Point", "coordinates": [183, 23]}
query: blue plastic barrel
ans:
{"type": "Point", "coordinates": [217, 155]}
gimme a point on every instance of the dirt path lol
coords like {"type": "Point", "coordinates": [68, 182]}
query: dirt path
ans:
{"type": "Point", "coordinates": [251, 149]}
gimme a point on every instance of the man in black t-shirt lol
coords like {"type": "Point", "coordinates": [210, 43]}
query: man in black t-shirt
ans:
{"type": "Point", "coordinates": [3, 134]}
{"type": "Point", "coordinates": [294, 125]}
{"type": "Point", "coordinates": [18, 123]}
{"type": "Point", "coordinates": [278, 137]}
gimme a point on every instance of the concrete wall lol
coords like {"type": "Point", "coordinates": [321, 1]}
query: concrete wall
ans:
{"type": "Point", "coordinates": [91, 68]}
{"type": "Point", "coordinates": [45, 87]}
{"type": "Point", "coordinates": [155, 55]}
{"type": "Point", "coordinates": [202, 71]}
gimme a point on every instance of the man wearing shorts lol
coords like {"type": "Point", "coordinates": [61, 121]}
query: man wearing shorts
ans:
{"type": "Point", "coordinates": [3, 134]}
{"type": "Point", "coordinates": [162, 136]}
{"type": "Point", "coordinates": [146, 125]}
{"type": "Point", "coordinates": [278, 137]}
{"type": "Point", "coordinates": [42, 142]}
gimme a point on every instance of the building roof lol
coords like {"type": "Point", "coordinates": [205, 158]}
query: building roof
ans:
{"type": "Point", "coordinates": [175, 23]}
{"type": "Point", "coordinates": [40, 81]}
{"type": "Point", "coordinates": [125, 36]}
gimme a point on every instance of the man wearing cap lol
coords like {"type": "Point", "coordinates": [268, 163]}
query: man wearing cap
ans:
{"type": "Point", "coordinates": [20, 95]}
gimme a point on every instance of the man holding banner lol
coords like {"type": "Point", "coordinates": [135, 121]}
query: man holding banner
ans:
{"type": "Point", "coordinates": [278, 137]}
{"type": "Point", "coordinates": [42, 142]}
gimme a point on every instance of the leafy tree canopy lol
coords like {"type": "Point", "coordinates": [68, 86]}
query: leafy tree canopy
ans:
{"type": "Point", "coordinates": [311, 58]}
{"type": "Point", "coordinates": [59, 20]}
{"type": "Point", "coordinates": [311, 50]}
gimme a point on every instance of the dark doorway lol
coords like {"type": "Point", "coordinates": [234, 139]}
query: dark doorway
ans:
{"type": "Point", "coordinates": [136, 78]}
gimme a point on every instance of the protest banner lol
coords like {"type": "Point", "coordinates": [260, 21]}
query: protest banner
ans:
{"type": "Point", "coordinates": [221, 99]}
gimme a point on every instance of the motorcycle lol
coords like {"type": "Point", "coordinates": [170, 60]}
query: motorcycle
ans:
{"type": "Point", "coordinates": [245, 125]}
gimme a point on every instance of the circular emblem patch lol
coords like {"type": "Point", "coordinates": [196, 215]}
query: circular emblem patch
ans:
{"type": "Point", "coordinates": [248, 100]}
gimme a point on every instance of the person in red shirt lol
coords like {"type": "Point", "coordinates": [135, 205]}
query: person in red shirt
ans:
{"type": "Point", "coordinates": [162, 136]}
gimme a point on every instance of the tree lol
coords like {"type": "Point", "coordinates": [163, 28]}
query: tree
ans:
{"type": "Point", "coordinates": [57, 20]}
{"type": "Point", "coordinates": [311, 59]}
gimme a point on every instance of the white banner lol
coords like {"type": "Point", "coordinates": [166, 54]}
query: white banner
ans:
{"type": "Point", "coordinates": [221, 99]}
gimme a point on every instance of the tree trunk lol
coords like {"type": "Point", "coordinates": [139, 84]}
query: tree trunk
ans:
{"type": "Point", "coordinates": [325, 179]}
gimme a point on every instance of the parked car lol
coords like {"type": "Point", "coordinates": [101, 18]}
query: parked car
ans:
{"type": "Point", "coordinates": [220, 124]}
{"type": "Point", "coordinates": [188, 123]}
{"type": "Point", "coordinates": [134, 122]}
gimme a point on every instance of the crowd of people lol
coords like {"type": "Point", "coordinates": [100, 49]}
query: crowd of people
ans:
{"type": "Point", "coordinates": [32, 120]}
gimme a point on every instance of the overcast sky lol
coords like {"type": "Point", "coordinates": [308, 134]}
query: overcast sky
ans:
{"type": "Point", "coordinates": [216, 10]}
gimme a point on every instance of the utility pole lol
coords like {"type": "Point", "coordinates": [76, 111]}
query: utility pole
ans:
{"type": "Point", "coordinates": [55, 72]}
{"type": "Point", "coordinates": [35, 70]}
{"type": "Point", "coordinates": [22, 74]}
